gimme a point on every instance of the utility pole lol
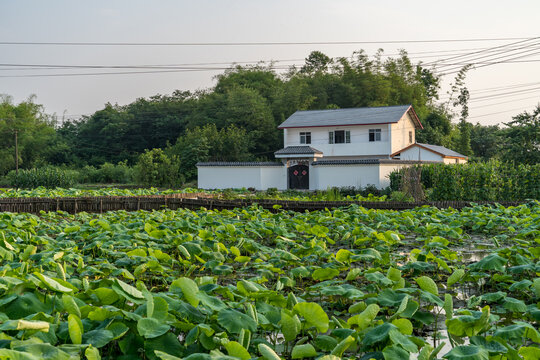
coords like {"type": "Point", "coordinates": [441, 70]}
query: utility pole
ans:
{"type": "Point", "coordinates": [16, 153]}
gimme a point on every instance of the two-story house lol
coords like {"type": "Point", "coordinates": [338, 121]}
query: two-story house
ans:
{"type": "Point", "coordinates": [353, 147]}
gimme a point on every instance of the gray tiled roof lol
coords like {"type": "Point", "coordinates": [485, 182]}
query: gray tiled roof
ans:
{"type": "Point", "coordinates": [224, 163]}
{"type": "Point", "coordinates": [442, 150]}
{"type": "Point", "coordinates": [298, 150]}
{"type": "Point", "coordinates": [367, 162]}
{"type": "Point", "coordinates": [352, 116]}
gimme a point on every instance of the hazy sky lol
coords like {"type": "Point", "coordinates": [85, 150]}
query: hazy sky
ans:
{"type": "Point", "coordinates": [254, 21]}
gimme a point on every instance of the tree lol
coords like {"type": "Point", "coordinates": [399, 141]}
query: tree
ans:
{"type": "Point", "coordinates": [462, 100]}
{"type": "Point", "coordinates": [156, 168]}
{"type": "Point", "coordinates": [486, 141]}
{"type": "Point", "coordinates": [522, 138]}
{"type": "Point", "coordinates": [35, 133]}
{"type": "Point", "coordinates": [316, 62]}
{"type": "Point", "coordinates": [210, 144]}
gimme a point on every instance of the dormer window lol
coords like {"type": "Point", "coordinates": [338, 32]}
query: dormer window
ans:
{"type": "Point", "coordinates": [374, 135]}
{"type": "Point", "coordinates": [305, 138]}
{"type": "Point", "coordinates": [339, 137]}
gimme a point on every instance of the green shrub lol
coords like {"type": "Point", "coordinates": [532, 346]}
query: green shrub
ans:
{"type": "Point", "coordinates": [488, 181]}
{"type": "Point", "coordinates": [155, 168]}
{"type": "Point", "coordinates": [49, 177]}
{"type": "Point", "coordinates": [400, 196]}
{"type": "Point", "coordinates": [107, 173]}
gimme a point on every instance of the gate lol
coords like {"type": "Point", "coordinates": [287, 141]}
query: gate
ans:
{"type": "Point", "coordinates": [299, 177]}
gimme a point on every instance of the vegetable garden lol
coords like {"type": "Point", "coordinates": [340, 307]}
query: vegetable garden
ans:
{"type": "Point", "coordinates": [249, 283]}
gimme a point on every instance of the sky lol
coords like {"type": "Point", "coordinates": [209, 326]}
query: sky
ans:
{"type": "Point", "coordinates": [498, 91]}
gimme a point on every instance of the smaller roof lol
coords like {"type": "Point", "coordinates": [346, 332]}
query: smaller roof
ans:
{"type": "Point", "coordinates": [437, 149]}
{"type": "Point", "coordinates": [367, 162]}
{"type": "Point", "coordinates": [298, 150]}
{"type": "Point", "coordinates": [225, 163]}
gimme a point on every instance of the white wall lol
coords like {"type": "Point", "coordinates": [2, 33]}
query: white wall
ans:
{"type": "Point", "coordinates": [416, 153]}
{"type": "Point", "coordinates": [357, 175]}
{"type": "Point", "coordinates": [400, 133]}
{"type": "Point", "coordinates": [274, 177]}
{"type": "Point", "coordinates": [258, 177]}
{"type": "Point", "coordinates": [359, 145]}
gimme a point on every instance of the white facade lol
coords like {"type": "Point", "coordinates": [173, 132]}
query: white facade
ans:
{"type": "Point", "coordinates": [235, 177]}
{"type": "Point", "coordinates": [419, 153]}
{"type": "Point", "coordinates": [357, 176]}
{"type": "Point", "coordinates": [393, 137]}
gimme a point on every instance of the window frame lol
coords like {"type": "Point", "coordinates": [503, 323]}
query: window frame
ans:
{"type": "Point", "coordinates": [410, 137]}
{"type": "Point", "coordinates": [346, 137]}
{"type": "Point", "coordinates": [306, 136]}
{"type": "Point", "coordinates": [375, 135]}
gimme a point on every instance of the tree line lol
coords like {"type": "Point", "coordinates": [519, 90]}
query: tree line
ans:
{"type": "Point", "coordinates": [237, 119]}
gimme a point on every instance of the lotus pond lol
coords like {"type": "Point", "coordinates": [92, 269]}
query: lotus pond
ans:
{"type": "Point", "coordinates": [248, 283]}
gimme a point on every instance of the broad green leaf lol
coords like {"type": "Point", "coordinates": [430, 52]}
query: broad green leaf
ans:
{"type": "Point", "coordinates": [492, 262]}
{"type": "Point", "coordinates": [189, 289]}
{"type": "Point", "coordinates": [17, 355]}
{"type": "Point", "coordinates": [303, 351]}
{"type": "Point", "coordinates": [427, 284]}
{"type": "Point", "coordinates": [70, 305]}
{"type": "Point", "coordinates": [290, 326]}
{"type": "Point", "coordinates": [395, 352]}
{"type": "Point", "coordinates": [530, 353]}
{"type": "Point", "coordinates": [325, 274]}
{"type": "Point", "coordinates": [75, 328]}
{"type": "Point", "coordinates": [404, 325]}
{"type": "Point", "coordinates": [92, 353]}
{"type": "Point", "coordinates": [313, 314]}
{"type": "Point", "coordinates": [343, 346]}
{"type": "Point", "coordinates": [365, 318]}
{"type": "Point", "coordinates": [448, 306]}
{"type": "Point", "coordinates": [455, 277]}
{"type": "Point", "coordinates": [25, 325]}
{"type": "Point", "coordinates": [127, 291]}
{"type": "Point", "coordinates": [267, 353]}
{"type": "Point", "coordinates": [164, 356]}
{"type": "Point", "coordinates": [238, 351]}
{"type": "Point", "coordinates": [468, 352]}
{"type": "Point", "coordinates": [151, 328]}
{"type": "Point", "coordinates": [234, 321]}
{"type": "Point", "coordinates": [379, 334]}
{"type": "Point", "coordinates": [52, 283]}
{"type": "Point", "coordinates": [514, 305]}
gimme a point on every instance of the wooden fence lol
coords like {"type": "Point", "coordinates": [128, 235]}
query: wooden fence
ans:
{"type": "Point", "coordinates": [100, 204]}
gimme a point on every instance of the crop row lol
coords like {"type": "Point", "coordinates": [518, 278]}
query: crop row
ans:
{"type": "Point", "coordinates": [248, 283]}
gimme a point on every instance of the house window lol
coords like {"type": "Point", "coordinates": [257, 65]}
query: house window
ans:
{"type": "Point", "coordinates": [374, 134]}
{"type": "Point", "coordinates": [305, 138]}
{"type": "Point", "coordinates": [410, 137]}
{"type": "Point", "coordinates": [339, 137]}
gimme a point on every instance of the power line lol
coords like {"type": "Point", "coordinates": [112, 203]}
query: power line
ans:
{"type": "Point", "coordinates": [495, 113]}
{"type": "Point", "coordinates": [506, 102]}
{"type": "Point", "coordinates": [491, 49]}
{"type": "Point", "coordinates": [254, 43]}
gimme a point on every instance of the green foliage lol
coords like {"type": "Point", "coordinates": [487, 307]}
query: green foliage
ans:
{"type": "Point", "coordinates": [36, 134]}
{"type": "Point", "coordinates": [48, 177]}
{"type": "Point", "coordinates": [156, 168]}
{"type": "Point", "coordinates": [107, 173]}
{"type": "Point", "coordinates": [489, 181]}
{"type": "Point", "coordinates": [153, 283]}
{"type": "Point", "coordinates": [523, 138]}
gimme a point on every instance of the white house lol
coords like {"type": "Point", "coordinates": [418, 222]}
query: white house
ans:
{"type": "Point", "coordinates": [343, 147]}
